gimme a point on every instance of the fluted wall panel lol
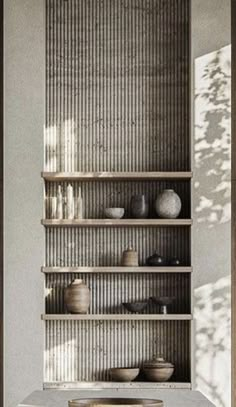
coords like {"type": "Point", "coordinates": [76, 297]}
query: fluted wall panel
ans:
{"type": "Point", "coordinates": [117, 85]}
{"type": "Point", "coordinates": [108, 291]}
{"type": "Point", "coordinates": [100, 195]}
{"type": "Point", "coordinates": [90, 246]}
{"type": "Point", "coordinates": [85, 350]}
{"type": "Point", "coordinates": [117, 99]}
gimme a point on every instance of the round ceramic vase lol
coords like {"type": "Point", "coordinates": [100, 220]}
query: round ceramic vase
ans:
{"type": "Point", "coordinates": [168, 204]}
{"type": "Point", "coordinates": [77, 297]}
{"type": "Point", "coordinates": [139, 207]}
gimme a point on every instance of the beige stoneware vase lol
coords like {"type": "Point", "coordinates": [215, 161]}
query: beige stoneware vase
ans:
{"type": "Point", "coordinates": [77, 297]}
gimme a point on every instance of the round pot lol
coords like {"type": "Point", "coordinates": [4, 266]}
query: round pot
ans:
{"type": "Point", "coordinates": [158, 370]}
{"type": "Point", "coordinates": [139, 207]}
{"type": "Point", "coordinates": [174, 261]}
{"type": "Point", "coordinates": [124, 374]}
{"type": "Point", "coordinates": [155, 260]}
{"type": "Point", "coordinates": [77, 297]}
{"type": "Point", "coordinates": [129, 258]}
{"type": "Point", "coordinates": [168, 204]}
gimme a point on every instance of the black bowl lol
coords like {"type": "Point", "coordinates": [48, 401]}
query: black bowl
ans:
{"type": "Point", "coordinates": [135, 306]}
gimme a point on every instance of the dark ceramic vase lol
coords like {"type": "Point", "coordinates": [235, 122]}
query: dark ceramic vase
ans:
{"type": "Point", "coordinates": [174, 261]}
{"type": "Point", "coordinates": [139, 207]}
{"type": "Point", "coordinates": [155, 260]}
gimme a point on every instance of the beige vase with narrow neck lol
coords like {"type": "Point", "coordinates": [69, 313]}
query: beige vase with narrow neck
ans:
{"type": "Point", "coordinates": [77, 297]}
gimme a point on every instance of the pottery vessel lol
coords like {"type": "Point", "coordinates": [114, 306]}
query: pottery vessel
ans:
{"type": "Point", "coordinates": [77, 297]}
{"type": "Point", "coordinates": [139, 207]}
{"type": "Point", "coordinates": [168, 204]}
{"type": "Point", "coordinates": [114, 213]}
{"type": "Point", "coordinates": [124, 374]}
{"type": "Point", "coordinates": [174, 261]}
{"type": "Point", "coordinates": [135, 306]}
{"type": "Point", "coordinates": [163, 302]}
{"type": "Point", "coordinates": [129, 258]}
{"type": "Point", "coordinates": [155, 260]}
{"type": "Point", "coordinates": [115, 402]}
{"type": "Point", "coordinates": [158, 370]}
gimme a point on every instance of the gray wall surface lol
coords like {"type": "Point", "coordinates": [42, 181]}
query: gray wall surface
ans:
{"type": "Point", "coordinates": [211, 197]}
{"type": "Point", "coordinates": [24, 120]}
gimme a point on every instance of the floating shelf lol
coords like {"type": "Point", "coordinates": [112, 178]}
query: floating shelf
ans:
{"type": "Point", "coordinates": [116, 176]}
{"type": "Point", "coordinates": [114, 269]}
{"type": "Point", "coordinates": [115, 385]}
{"type": "Point", "coordinates": [116, 222]}
{"type": "Point", "coordinates": [116, 317]}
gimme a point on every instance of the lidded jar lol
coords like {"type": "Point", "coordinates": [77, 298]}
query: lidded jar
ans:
{"type": "Point", "coordinates": [77, 297]}
{"type": "Point", "coordinates": [130, 258]}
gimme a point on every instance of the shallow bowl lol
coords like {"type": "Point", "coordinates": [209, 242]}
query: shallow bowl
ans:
{"type": "Point", "coordinates": [135, 306]}
{"type": "Point", "coordinates": [114, 213]}
{"type": "Point", "coordinates": [117, 402]}
{"type": "Point", "coordinates": [124, 374]}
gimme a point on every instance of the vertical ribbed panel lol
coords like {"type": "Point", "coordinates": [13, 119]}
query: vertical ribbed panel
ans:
{"type": "Point", "coordinates": [108, 291]}
{"type": "Point", "coordinates": [104, 246]}
{"type": "Point", "coordinates": [117, 90]}
{"type": "Point", "coordinates": [85, 350]}
{"type": "Point", "coordinates": [100, 195]}
{"type": "Point", "coordinates": [117, 99]}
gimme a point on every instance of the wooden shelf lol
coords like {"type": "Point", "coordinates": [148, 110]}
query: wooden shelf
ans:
{"type": "Point", "coordinates": [114, 269]}
{"type": "Point", "coordinates": [116, 176]}
{"type": "Point", "coordinates": [114, 385]}
{"type": "Point", "coordinates": [116, 317]}
{"type": "Point", "coordinates": [116, 222]}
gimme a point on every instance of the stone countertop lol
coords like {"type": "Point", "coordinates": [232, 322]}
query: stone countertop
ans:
{"type": "Point", "coordinates": [171, 398]}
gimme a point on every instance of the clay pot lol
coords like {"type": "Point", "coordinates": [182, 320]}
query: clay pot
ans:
{"type": "Point", "coordinates": [139, 207]}
{"type": "Point", "coordinates": [129, 258]}
{"type": "Point", "coordinates": [77, 297]}
{"type": "Point", "coordinates": [124, 374]}
{"type": "Point", "coordinates": [158, 370]}
{"type": "Point", "coordinates": [168, 204]}
{"type": "Point", "coordinates": [155, 260]}
{"type": "Point", "coordinates": [174, 261]}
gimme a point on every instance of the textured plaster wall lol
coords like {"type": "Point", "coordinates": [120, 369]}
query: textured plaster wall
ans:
{"type": "Point", "coordinates": [211, 197]}
{"type": "Point", "coordinates": [24, 118]}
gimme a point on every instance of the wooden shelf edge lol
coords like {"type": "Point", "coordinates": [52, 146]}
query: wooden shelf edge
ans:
{"type": "Point", "coordinates": [119, 176]}
{"type": "Point", "coordinates": [115, 385]}
{"type": "Point", "coordinates": [116, 317]}
{"type": "Point", "coordinates": [116, 222]}
{"type": "Point", "coordinates": [114, 269]}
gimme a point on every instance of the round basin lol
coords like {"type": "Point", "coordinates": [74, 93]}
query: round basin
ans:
{"type": "Point", "coordinates": [110, 402]}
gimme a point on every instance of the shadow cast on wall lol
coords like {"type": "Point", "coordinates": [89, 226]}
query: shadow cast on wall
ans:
{"type": "Point", "coordinates": [211, 236]}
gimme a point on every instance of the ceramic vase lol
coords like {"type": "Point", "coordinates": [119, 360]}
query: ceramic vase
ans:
{"type": "Point", "coordinates": [168, 204]}
{"type": "Point", "coordinates": [130, 258]}
{"type": "Point", "coordinates": [70, 208]}
{"type": "Point", "coordinates": [139, 207]}
{"type": "Point", "coordinates": [59, 203]}
{"type": "Point", "coordinates": [77, 297]}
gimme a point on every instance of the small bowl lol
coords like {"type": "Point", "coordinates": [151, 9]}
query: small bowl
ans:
{"type": "Point", "coordinates": [158, 374]}
{"type": "Point", "coordinates": [124, 374]}
{"type": "Point", "coordinates": [114, 213]}
{"type": "Point", "coordinates": [135, 306]}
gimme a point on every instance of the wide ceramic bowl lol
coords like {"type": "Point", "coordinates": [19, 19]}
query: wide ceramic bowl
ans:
{"type": "Point", "coordinates": [135, 306]}
{"type": "Point", "coordinates": [124, 374]}
{"type": "Point", "coordinates": [114, 213]}
{"type": "Point", "coordinates": [158, 374]}
{"type": "Point", "coordinates": [117, 402]}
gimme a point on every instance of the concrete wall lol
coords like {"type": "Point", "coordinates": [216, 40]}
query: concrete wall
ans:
{"type": "Point", "coordinates": [211, 197]}
{"type": "Point", "coordinates": [24, 118]}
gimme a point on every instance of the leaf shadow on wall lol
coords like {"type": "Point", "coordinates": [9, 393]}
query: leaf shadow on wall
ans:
{"type": "Point", "coordinates": [211, 237]}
